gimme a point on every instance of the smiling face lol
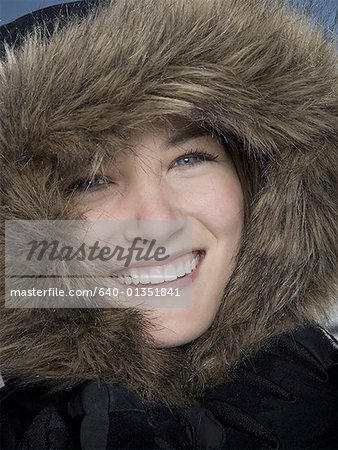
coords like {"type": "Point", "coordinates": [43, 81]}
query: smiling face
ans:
{"type": "Point", "coordinates": [160, 181]}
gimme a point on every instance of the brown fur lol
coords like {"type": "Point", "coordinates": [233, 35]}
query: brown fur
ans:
{"type": "Point", "coordinates": [248, 67]}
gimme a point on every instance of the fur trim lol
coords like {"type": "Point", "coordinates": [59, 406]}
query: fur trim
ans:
{"type": "Point", "coordinates": [251, 68]}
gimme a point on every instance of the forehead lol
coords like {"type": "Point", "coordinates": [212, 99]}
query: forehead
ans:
{"type": "Point", "coordinates": [173, 133]}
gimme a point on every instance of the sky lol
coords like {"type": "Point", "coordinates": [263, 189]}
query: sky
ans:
{"type": "Point", "coordinates": [12, 9]}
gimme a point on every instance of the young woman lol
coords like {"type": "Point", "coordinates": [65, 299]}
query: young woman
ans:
{"type": "Point", "coordinates": [209, 127]}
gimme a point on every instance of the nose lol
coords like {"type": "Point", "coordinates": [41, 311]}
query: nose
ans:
{"type": "Point", "coordinates": [153, 213]}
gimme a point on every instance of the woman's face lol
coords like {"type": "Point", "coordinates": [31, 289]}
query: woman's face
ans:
{"type": "Point", "coordinates": [156, 183]}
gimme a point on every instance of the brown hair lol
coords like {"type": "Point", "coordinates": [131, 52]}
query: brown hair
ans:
{"type": "Point", "coordinates": [249, 170]}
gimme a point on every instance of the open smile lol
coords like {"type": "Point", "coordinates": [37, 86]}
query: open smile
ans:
{"type": "Point", "coordinates": [184, 267]}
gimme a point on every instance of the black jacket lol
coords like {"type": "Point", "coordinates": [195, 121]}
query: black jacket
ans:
{"type": "Point", "coordinates": [284, 397]}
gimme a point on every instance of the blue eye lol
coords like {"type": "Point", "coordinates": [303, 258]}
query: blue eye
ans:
{"type": "Point", "coordinates": [199, 156]}
{"type": "Point", "coordinates": [188, 159]}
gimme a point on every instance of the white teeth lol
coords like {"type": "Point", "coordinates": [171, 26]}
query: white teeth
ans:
{"type": "Point", "coordinates": [128, 280]}
{"type": "Point", "coordinates": [187, 267]}
{"type": "Point", "coordinates": [160, 274]}
{"type": "Point", "coordinates": [156, 275]}
{"type": "Point", "coordinates": [143, 278]}
{"type": "Point", "coordinates": [181, 269]}
{"type": "Point", "coordinates": [169, 273]}
{"type": "Point", "coordinates": [134, 276]}
{"type": "Point", "coordinates": [193, 264]}
{"type": "Point", "coordinates": [134, 280]}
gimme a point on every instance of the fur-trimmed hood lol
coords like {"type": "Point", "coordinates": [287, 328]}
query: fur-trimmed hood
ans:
{"type": "Point", "coordinates": [253, 69]}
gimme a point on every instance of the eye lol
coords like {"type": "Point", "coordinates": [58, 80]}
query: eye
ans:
{"type": "Point", "coordinates": [193, 157]}
{"type": "Point", "coordinates": [89, 184]}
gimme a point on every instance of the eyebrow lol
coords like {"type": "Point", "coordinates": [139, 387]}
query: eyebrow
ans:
{"type": "Point", "coordinates": [183, 136]}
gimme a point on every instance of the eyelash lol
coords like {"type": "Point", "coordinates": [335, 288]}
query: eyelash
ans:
{"type": "Point", "coordinates": [202, 154]}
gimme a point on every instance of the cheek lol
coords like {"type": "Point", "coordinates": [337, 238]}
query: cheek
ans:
{"type": "Point", "coordinates": [100, 207]}
{"type": "Point", "coordinates": [218, 202]}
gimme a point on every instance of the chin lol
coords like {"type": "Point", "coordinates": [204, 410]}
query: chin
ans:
{"type": "Point", "coordinates": [166, 336]}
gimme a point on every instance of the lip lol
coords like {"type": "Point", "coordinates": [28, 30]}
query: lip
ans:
{"type": "Point", "coordinates": [180, 282]}
{"type": "Point", "coordinates": [172, 257]}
